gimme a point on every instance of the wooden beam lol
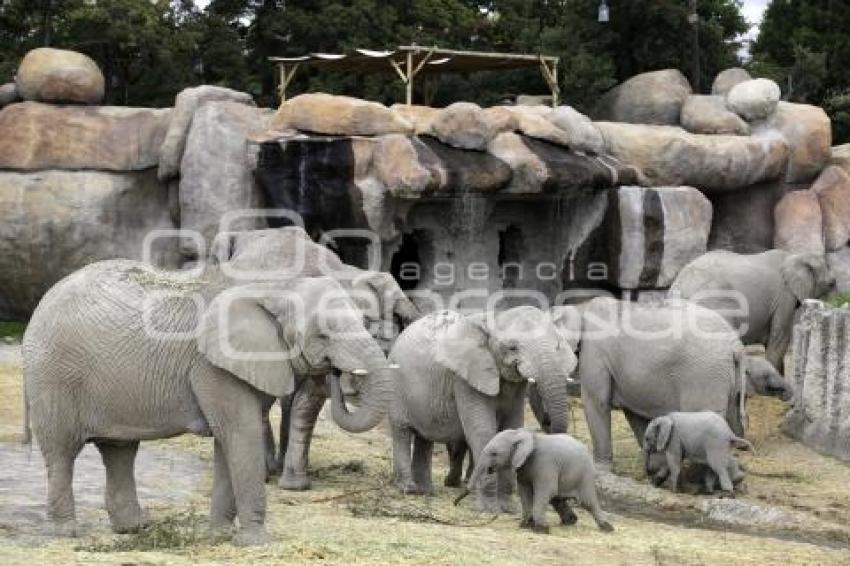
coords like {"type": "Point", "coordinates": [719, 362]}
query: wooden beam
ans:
{"type": "Point", "coordinates": [409, 94]}
{"type": "Point", "coordinates": [285, 79]}
{"type": "Point", "coordinates": [551, 77]}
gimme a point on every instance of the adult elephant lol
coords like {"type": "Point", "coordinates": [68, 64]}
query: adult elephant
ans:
{"type": "Point", "coordinates": [650, 360]}
{"type": "Point", "coordinates": [771, 283]}
{"type": "Point", "coordinates": [463, 378]}
{"type": "Point", "coordinates": [281, 253]}
{"type": "Point", "coordinates": [119, 352]}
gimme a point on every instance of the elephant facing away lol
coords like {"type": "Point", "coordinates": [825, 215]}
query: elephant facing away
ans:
{"type": "Point", "coordinates": [463, 378]}
{"type": "Point", "coordinates": [650, 360]}
{"type": "Point", "coordinates": [289, 252]}
{"type": "Point", "coordinates": [772, 284]}
{"type": "Point", "coordinates": [119, 352]}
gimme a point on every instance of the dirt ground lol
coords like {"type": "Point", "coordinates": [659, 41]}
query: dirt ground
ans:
{"type": "Point", "coordinates": [354, 516]}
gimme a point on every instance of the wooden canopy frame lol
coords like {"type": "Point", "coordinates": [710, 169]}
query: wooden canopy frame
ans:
{"type": "Point", "coordinates": [410, 61]}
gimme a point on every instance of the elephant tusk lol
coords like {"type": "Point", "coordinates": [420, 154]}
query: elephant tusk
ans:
{"type": "Point", "coordinates": [393, 366]}
{"type": "Point", "coordinates": [359, 372]}
{"type": "Point", "coordinates": [532, 380]}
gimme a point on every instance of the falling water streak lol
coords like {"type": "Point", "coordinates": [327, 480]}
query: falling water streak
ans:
{"type": "Point", "coordinates": [302, 172]}
{"type": "Point", "coordinates": [469, 214]}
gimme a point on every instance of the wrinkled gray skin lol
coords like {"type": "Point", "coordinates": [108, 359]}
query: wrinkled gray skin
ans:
{"type": "Point", "coordinates": [286, 252]}
{"type": "Point", "coordinates": [94, 372]}
{"type": "Point", "coordinates": [763, 379]}
{"type": "Point", "coordinates": [772, 283]}
{"type": "Point", "coordinates": [702, 438]}
{"type": "Point", "coordinates": [464, 378]}
{"type": "Point", "coordinates": [629, 360]}
{"type": "Point", "coordinates": [550, 469]}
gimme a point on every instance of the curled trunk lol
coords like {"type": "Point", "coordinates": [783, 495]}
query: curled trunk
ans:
{"type": "Point", "coordinates": [552, 386]}
{"type": "Point", "coordinates": [375, 398]}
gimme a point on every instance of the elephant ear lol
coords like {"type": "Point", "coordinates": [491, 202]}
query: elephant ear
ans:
{"type": "Point", "coordinates": [665, 429]}
{"type": "Point", "coordinates": [240, 335]}
{"type": "Point", "coordinates": [462, 347]}
{"type": "Point", "coordinates": [798, 272]}
{"type": "Point", "coordinates": [522, 448]}
{"type": "Point", "coordinates": [567, 321]}
{"type": "Point", "coordinates": [391, 299]}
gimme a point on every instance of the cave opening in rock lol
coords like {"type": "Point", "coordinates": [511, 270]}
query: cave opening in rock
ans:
{"type": "Point", "coordinates": [511, 248]}
{"type": "Point", "coordinates": [406, 264]}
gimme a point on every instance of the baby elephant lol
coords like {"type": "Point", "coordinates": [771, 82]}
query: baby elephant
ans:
{"type": "Point", "coordinates": [550, 469]}
{"type": "Point", "coordinates": [702, 438]}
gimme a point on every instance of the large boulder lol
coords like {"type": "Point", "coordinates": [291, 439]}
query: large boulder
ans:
{"type": "Point", "coordinates": [808, 132]}
{"type": "Point", "coordinates": [57, 75]}
{"type": "Point", "coordinates": [55, 222]}
{"type": "Point", "coordinates": [502, 119]}
{"type": "Point", "coordinates": [217, 170]}
{"type": "Point", "coordinates": [330, 114]}
{"type": "Point", "coordinates": [725, 80]}
{"type": "Point", "coordinates": [755, 99]}
{"type": "Point", "coordinates": [667, 156]}
{"type": "Point", "coordinates": [463, 125]}
{"type": "Point", "coordinates": [109, 138]}
{"type": "Point", "coordinates": [658, 231]}
{"type": "Point", "coordinates": [648, 98]}
{"type": "Point", "coordinates": [707, 114]}
{"type": "Point", "coordinates": [187, 101]}
{"type": "Point", "coordinates": [8, 94]}
{"type": "Point", "coordinates": [419, 116]}
{"type": "Point", "coordinates": [833, 190]}
{"type": "Point", "coordinates": [839, 265]}
{"type": "Point", "coordinates": [581, 133]}
{"type": "Point", "coordinates": [799, 223]}
{"type": "Point", "coordinates": [532, 122]}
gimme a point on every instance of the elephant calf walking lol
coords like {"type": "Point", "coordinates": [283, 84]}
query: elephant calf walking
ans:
{"type": "Point", "coordinates": [463, 379]}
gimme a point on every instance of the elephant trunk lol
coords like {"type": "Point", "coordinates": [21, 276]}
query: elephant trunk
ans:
{"type": "Point", "coordinates": [406, 312]}
{"type": "Point", "coordinates": [552, 386]}
{"type": "Point", "coordinates": [470, 485]}
{"type": "Point", "coordinates": [375, 398]}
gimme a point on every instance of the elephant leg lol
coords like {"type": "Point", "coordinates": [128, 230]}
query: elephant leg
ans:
{"type": "Point", "coordinates": [233, 410]}
{"type": "Point", "coordinates": [525, 500]}
{"type": "Point", "coordinates": [60, 493]}
{"type": "Point", "coordinates": [478, 419]}
{"type": "Point", "coordinates": [590, 502]}
{"type": "Point", "coordinates": [513, 418]}
{"type": "Point", "coordinates": [719, 464]}
{"type": "Point", "coordinates": [778, 339]}
{"type": "Point", "coordinates": [597, 412]}
{"type": "Point", "coordinates": [122, 503]}
{"type": "Point", "coordinates": [268, 440]}
{"type": "Point", "coordinates": [402, 462]}
{"type": "Point", "coordinates": [422, 451]}
{"type": "Point", "coordinates": [306, 405]}
{"type": "Point", "coordinates": [457, 452]}
{"type": "Point", "coordinates": [539, 503]}
{"type": "Point", "coordinates": [562, 507]}
{"type": "Point", "coordinates": [283, 433]}
{"type": "Point", "coordinates": [638, 425]}
{"type": "Point", "coordinates": [223, 504]}
{"type": "Point", "coordinates": [674, 464]}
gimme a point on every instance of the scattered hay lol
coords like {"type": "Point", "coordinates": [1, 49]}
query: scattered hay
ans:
{"type": "Point", "coordinates": [173, 281]}
{"type": "Point", "coordinates": [173, 532]}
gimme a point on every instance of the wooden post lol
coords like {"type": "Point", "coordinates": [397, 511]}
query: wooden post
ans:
{"type": "Point", "coordinates": [285, 78]}
{"type": "Point", "coordinates": [551, 76]}
{"type": "Point", "coordinates": [409, 78]}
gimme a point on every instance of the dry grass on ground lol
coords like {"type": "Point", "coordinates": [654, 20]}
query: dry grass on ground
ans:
{"type": "Point", "coordinates": [352, 516]}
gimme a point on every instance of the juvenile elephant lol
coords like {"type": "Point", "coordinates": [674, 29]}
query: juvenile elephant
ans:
{"type": "Point", "coordinates": [464, 378]}
{"type": "Point", "coordinates": [550, 469]}
{"type": "Point", "coordinates": [702, 438]}
{"type": "Point", "coordinates": [289, 252]}
{"type": "Point", "coordinates": [772, 283]}
{"type": "Point", "coordinates": [650, 360]}
{"type": "Point", "coordinates": [119, 352]}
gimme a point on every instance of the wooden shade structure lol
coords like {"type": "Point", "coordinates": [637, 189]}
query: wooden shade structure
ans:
{"type": "Point", "coordinates": [410, 61]}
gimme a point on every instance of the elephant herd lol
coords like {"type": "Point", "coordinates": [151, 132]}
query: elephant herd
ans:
{"type": "Point", "coordinates": [119, 352]}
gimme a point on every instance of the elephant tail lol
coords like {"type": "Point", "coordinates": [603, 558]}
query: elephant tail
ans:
{"type": "Point", "coordinates": [27, 436]}
{"type": "Point", "coordinates": [740, 360]}
{"type": "Point", "coordinates": [743, 444]}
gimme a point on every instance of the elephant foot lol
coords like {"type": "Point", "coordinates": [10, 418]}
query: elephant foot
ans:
{"type": "Point", "coordinates": [540, 529]}
{"type": "Point", "coordinates": [604, 466]}
{"type": "Point", "coordinates": [525, 523]}
{"type": "Point", "coordinates": [452, 481]}
{"type": "Point", "coordinates": [507, 506]}
{"type": "Point", "coordinates": [294, 481]}
{"type": "Point", "coordinates": [605, 526]}
{"type": "Point", "coordinates": [64, 529]}
{"type": "Point", "coordinates": [128, 523]}
{"type": "Point", "coordinates": [727, 495]}
{"type": "Point", "coordinates": [220, 528]}
{"type": "Point", "coordinates": [251, 537]}
{"type": "Point", "coordinates": [488, 506]}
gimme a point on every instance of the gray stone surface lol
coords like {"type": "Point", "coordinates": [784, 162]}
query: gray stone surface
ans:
{"type": "Point", "coordinates": [726, 79]}
{"type": "Point", "coordinates": [187, 101]}
{"type": "Point", "coordinates": [706, 114]}
{"type": "Point", "coordinates": [582, 134]}
{"type": "Point", "coordinates": [55, 222]}
{"type": "Point", "coordinates": [821, 356]}
{"type": "Point", "coordinates": [839, 264]}
{"type": "Point", "coordinates": [462, 125]}
{"type": "Point", "coordinates": [798, 223]}
{"type": "Point", "coordinates": [649, 98]}
{"type": "Point", "coordinates": [755, 99]}
{"type": "Point", "coordinates": [216, 173]}
{"type": "Point", "coordinates": [808, 133]}
{"type": "Point", "coordinates": [743, 220]}
{"type": "Point", "coordinates": [8, 94]}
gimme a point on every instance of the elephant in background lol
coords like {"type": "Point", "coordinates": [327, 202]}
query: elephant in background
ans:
{"type": "Point", "coordinates": [119, 352]}
{"type": "Point", "coordinates": [289, 252]}
{"type": "Point", "coordinates": [463, 378]}
{"type": "Point", "coordinates": [648, 360]}
{"type": "Point", "coordinates": [773, 283]}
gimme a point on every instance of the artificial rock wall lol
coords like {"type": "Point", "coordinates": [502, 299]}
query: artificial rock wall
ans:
{"type": "Point", "coordinates": [821, 353]}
